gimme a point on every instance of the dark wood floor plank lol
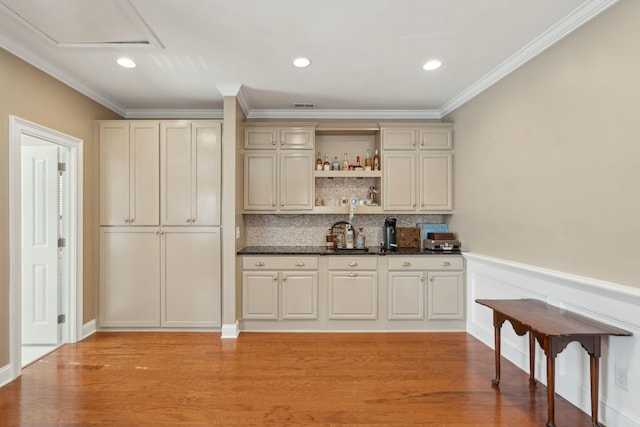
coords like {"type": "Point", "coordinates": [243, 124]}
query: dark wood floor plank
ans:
{"type": "Point", "coordinates": [394, 379]}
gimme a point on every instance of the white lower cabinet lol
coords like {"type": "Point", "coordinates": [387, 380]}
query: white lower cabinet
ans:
{"type": "Point", "coordinates": [443, 278]}
{"type": "Point", "coordinates": [279, 287]}
{"type": "Point", "coordinates": [160, 277]}
{"type": "Point", "coordinates": [353, 287]}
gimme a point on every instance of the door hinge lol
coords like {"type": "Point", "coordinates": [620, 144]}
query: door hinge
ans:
{"type": "Point", "coordinates": [62, 242]}
{"type": "Point", "coordinates": [62, 318]}
{"type": "Point", "coordinates": [62, 167]}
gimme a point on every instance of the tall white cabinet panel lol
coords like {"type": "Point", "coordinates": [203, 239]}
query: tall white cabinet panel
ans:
{"type": "Point", "coordinates": [436, 181]}
{"type": "Point", "coordinates": [190, 173]}
{"type": "Point", "coordinates": [129, 277]}
{"type": "Point", "coordinates": [399, 181]}
{"type": "Point", "coordinates": [260, 181]}
{"type": "Point", "coordinates": [190, 277]}
{"type": "Point", "coordinates": [129, 171]}
{"type": "Point", "coordinates": [296, 181]}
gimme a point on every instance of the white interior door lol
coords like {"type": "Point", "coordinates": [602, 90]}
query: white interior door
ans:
{"type": "Point", "coordinates": [40, 244]}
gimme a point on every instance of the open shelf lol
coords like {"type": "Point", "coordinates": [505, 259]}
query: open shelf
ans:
{"type": "Point", "coordinates": [348, 174]}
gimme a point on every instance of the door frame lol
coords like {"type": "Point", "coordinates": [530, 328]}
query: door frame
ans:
{"type": "Point", "coordinates": [73, 330]}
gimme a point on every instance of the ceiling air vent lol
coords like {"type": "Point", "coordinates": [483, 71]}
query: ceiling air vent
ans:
{"type": "Point", "coordinates": [303, 105]}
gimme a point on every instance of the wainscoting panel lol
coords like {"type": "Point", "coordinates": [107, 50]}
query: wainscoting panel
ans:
{"type": "Point", "coordinates": [607, 302]}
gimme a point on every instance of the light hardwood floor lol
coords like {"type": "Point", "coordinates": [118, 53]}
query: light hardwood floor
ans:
{"type": "Point", "coordinates": [394, 379]}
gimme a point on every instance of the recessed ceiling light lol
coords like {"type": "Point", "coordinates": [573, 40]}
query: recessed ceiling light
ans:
{"type": "Point", "coordinates": [126, 63]}
{"type": "Point", "coordinates": [301, 62]}
{"type": "Point", "coordinates": [434, 64]}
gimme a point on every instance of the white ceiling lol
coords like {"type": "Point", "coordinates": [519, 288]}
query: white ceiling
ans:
{"type": "Point", "coordinates": [367, 55]}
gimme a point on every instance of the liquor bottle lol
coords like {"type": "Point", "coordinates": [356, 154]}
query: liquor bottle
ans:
{"type": "Point", "coordinates": [336, 164]}
{"type": "Point", "coordinates": [345, 163]}
{"type": "Point", "coordinates": [358, 166]}
{"type": "Point", "coordinates": [349, 237]}
{"type": "Point", "coordinates": [376, 161]}
{"type": "Point", "coordinates": [368, 164]}
{"type": "Point", "coordinates": [326, 164]}
{"type": "Point", "coordinates": [319, 162]}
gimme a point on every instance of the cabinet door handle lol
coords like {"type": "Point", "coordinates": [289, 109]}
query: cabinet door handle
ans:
{"type": "Point", "coordinates": [281, 142]}
{"type": "Point", "coordinates": [273, 142]}
{"type": "Point", "coordinates": [406, 264]}
{"type": "Point", "coordinates": [422, 143]}
{"type": "Point", "coordinates": [259, 264]}
{"type": "Point", "coordinates": [299, 264]}
{"type": "Point", "coordinates": [353, 264]}
{"type": "Point", "coordinates": [431, 279]}
{"type": "Point", "coordinates": [446, 264]}
{"type": "Point", "coordinates": [422, 278]}
{"type": "Point", "coordinates": [131, 220]}
{"type": "Point", "coordinates": [275, 278]}
{"type": "Point", "coordinates": [157, 231]}
{"type": "Point", "coordinates": [273, 203]}
{"type": "Point", "coordinates": [284, 278]}
{"type": "Point", "coordinates": [126, 220]}
{"type": "Point", "coordinates": [413, 143]}
{"type": "Point", "coordinates": [353, 274]}
{"type": "Point", "coordinates": [281, 203]}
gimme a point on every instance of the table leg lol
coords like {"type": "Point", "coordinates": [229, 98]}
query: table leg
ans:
{"type": "Point", "coordinates": [496, 335]}
{"type": "Point", "coordinates": [551, 390]}
{"type": "Point", "coordinates": [532, 359]}
{"type": "Point", "coordinates": [594, 370]}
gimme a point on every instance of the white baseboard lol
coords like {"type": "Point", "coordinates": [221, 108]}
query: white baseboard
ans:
{"type": "Point", "coordinates": [88, 329]}
{"type": "Point", "coordinates": [6, 375]}
{"type": "Point", "coordinates": [607, 302]}
{"type": "Point", "coordinates": [230, 330]}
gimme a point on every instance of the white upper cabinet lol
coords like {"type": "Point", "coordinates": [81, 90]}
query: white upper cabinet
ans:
{"type": "Point", "coordinates": [190, 173]}
{"type": "Point", "coordinates": [129, 173]}
{"type": "Point", "coordinates": [272, 137]}
{"type": "Point", "coordinates": [434, 136]}
{"type": "Point", "coordinates": [278, 168]}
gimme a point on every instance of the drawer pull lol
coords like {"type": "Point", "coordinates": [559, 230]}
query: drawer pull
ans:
{"type": "Point", "coordinates": [353, 264]}
{"type": "Point", "coordinates": [446, 264]}
{"type": "Point", "coordinates": [406, 264]}
{"type": "Point", "coordinates": [353, 274]}
{"type": "Point", "coordinates": [299, 264]}
{"type": "Point", "coordinates": [259, 264]}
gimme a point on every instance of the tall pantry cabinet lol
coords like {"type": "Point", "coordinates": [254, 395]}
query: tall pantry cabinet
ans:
{"type": "Point", "coordinates": [160, 217]}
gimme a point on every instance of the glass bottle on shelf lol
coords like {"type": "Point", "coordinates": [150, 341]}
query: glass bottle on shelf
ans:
{"type": "Point", "coordinates": [376, 161]}
{"type": "Point", "coordinates": [326, 165]}
{"type": "Point", "coordinates": [336, 164]}
{"type": "Point", "coordinates": [345, 163]}
{"type": "Point", "coordinates": [368, 163]}
{"type": "Point", "coordinates": [358, 166]}
{"type": "Point", "coordinates": [319, 162]}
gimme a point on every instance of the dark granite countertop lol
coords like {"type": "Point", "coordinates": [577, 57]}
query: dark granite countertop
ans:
{"type": "Point", "coordinates": [321, 250]}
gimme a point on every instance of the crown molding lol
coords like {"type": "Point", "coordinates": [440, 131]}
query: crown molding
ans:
{"type": "Point", "coordinates": [561, 29]}
{"type": "Point", "coordinates": [173, 114]}
{"type": "Point", "coordinates": [21, 52]}
{"type": "Point", "coordinates": [313, 113]}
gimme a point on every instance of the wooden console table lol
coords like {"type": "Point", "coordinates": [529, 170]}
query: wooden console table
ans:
{"type": "Point", "coordinates": [553, 328]}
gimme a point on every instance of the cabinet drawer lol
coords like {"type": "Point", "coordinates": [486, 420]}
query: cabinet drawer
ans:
{"type": "Point", "coordinates": [353, 263]}
{"type": "Point", "coordinates": [279, 263]}
{"type": "Point", "coordinates": [430, 262]}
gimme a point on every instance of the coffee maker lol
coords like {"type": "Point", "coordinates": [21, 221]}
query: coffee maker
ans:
{"type": "Point", "coordinates": [389, 234]}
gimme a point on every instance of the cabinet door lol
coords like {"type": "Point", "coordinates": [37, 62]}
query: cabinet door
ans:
{"type": "Point", "coordinates": [436, 138]}
{"type": "Point", "coordinates": [398, 138]}
{"type": "Point", "coordinates": [353, 295]}
{"type": "Point", "coordinates": [299, 295]}
{"type": "Point", "coordinates": [129, 186]}
{"type": "Point", "coordinates": [300, 138]}
{"type": "Point", "coordinates": [206, 174]}
{"type": "Point", "coordinates": [260, 295]}
{"type": "Point", "coordinates": [129, 277]}
{"type": "Point", "coordinates": [175, 144]}
{"type": "Point", "coordinates": [436, 182]}
{"type": "Point", "coordinates": [260, 181]}
{"type": "Point", "coordinates": [399, 181]}
{"type": "Point", "coordinates": [446, 295]}
{"type": "Point", "coordinates": [190, 279]}
{"type": "Point", "coordinates": [406, 295]}
{"type": "Point", "coordinates": [296, 181]}
{"type": "Point", "coordinates": [264, 138]}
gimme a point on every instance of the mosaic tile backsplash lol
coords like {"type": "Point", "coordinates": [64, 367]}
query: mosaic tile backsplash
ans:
{"type": "Point", "coordinates": [310, 230]}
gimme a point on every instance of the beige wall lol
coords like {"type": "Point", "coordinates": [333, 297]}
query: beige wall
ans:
{"type": "Point", "coordinates": [547, 161]}
{"type": "Point", "coordinates": [31, 94]}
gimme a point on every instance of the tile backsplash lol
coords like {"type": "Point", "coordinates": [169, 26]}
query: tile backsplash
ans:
{"type": "Point", "coordinates": [310, 230]}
